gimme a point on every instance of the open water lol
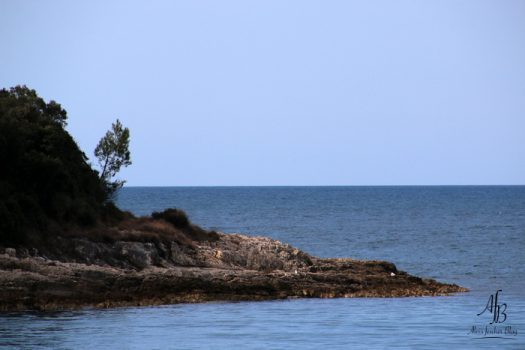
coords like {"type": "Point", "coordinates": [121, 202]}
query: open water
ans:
{"type": "Point", "coordinates": [470, 235]}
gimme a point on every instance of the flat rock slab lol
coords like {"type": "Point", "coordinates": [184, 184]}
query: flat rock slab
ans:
{"type": "Point", "coordinates": [235, 267]}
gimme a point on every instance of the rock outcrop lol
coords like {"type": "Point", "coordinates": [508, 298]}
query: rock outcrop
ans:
{"type": "Point", "coordinates": [79, 272]}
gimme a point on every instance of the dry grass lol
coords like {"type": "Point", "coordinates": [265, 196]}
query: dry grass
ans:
{"type": "Point", "coordinates": [147, 229]}
{"type": "Point", "coordinates": [167, 226]}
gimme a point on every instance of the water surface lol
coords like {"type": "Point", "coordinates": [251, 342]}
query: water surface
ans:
{"type": "Point", "coordinates": [470, 235]}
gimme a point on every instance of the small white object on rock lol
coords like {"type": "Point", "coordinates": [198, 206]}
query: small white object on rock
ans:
{"type": "Point", "coordinates": [296, 272]}
{"type": "Point", "coordinates": [392, 274]}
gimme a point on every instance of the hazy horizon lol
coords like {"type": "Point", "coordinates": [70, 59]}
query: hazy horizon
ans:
{"type": "Point", "coordinates": [190, 186]}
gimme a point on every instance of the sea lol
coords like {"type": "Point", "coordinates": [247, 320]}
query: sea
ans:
{"type": "Point", "coordinates": [473, 236]}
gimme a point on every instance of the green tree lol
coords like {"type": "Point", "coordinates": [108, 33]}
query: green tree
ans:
{"type": "Point", "coordinates": [113, 153]}
{"type": "Point", "coordinates": [46, 183]}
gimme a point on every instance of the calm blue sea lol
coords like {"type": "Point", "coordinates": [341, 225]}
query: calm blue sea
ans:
{"type": "Point", "coordinates": [470, 235]}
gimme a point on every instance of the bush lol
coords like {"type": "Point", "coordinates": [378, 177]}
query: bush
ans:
{"type": "Point", "coordinates": [176, 217]}
{"type": "Point", "coordinates": [179, 220]}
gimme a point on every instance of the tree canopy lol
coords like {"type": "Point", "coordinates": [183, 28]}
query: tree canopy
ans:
{"type": "Point", "coordinates": [113, 153]}
{"type": "Point", "coordinates": [46, 182]}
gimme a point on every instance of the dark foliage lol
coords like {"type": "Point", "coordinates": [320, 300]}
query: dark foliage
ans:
{"type": "Point", "coordinates": [180, 221]}
{"type": "Point", "coordinates": [45, 180]}
{"type": "Point", "coordinates": [176, 217]}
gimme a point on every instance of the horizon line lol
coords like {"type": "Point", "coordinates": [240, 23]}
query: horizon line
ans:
{"type": "Point", "coordinates": [468, 185]}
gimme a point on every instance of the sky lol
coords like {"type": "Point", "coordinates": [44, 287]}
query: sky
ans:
{"type": "Point", "coordinates": [235, 93]}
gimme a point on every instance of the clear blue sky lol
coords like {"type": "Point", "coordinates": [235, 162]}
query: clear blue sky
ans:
{"type": "Point", "coordinates": [284, 92]}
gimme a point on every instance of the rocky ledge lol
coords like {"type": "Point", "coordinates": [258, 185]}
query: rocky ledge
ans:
{"type": "Point", "coordinates": [80, 272]}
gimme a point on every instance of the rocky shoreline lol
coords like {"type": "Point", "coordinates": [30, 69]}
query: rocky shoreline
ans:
{"type": "Point", "coordinates": [64, 243]}
{"type": "Point", "coordinates": [79, 272]}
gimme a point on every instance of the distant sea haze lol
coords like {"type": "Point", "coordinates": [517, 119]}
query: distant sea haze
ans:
{"type": "Point", "coordinates": [473, 236]}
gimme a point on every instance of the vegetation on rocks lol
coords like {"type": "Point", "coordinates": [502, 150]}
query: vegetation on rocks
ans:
{"type": "Point", "coordinates": [64, 244]}
{"type": "Point", "coordinates": [48, 188]}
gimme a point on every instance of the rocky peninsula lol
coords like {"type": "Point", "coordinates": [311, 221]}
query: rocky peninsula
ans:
{"type": "Point", "coordinates": [65, 244]}
{"type": "Point", "coordinates": [120, 267]}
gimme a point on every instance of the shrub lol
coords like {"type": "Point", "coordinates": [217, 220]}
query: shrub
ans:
{"type": "Point", "coordinates": [179, 220]}
{"type": "Point", "coordinates": [176, 217]}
